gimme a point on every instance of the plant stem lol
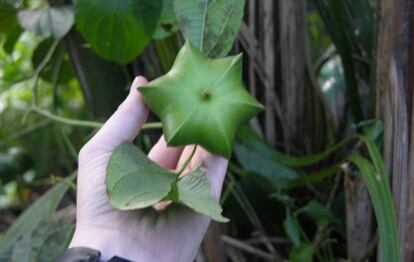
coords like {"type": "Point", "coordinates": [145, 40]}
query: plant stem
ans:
{"type": "Point", "coordinates": [66, 180]}
{"type": "Point", "coordinates": [67, 121]}
{"type": "Point", "coordinates": [83, 123]}
{"type": "Point", "coordinates": [187, 161]}
{"type": "Point", "coordinates": [41, 66]}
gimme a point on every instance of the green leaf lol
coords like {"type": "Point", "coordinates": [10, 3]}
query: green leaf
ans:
{"type": "Point", "coordinates": [8, 24]}
{"type": "Point", "coordinates": [133, 181]}
{"type": "Point", "coordinates": [379, 190]}
{"type": "Point", "coordinates": [277, 175]}
{"type": "Point", "coordinates": [292, 228]}
{"type": "Point", "coordinates": [303, 253]}
{"type": "Point", "coordinates": [31, 218]}
{"type": "Point", "coordinates": [58, 58]}
{"type": "Point", "coordinates": [210, 25]}
{"type": "Point", "coordinates": [345, 31]}
{"type": "Point", "coordinates": [250, 139]}
{"type": "Point", "coordinates": [372, 129]}
{"type": "Point", "coordinates": [332, 83]}
{"type": "Point", "coordinates": [194, 191]}
{"type": "Point", "coordinates": [315, 177]}
{"type": "Point", "coordinates": [53, 241]}
{"type": "Point", "coordinates": [22, 250]}
{"type": "Point", "coordinates": [318, 212]}
{"type": "Point", "coordinates": [7, 16]}
{"type": "Point", "coordinates": [44, 244]}
{"type": "Point", "coordinates": [12, 35]}
{"type": "Point", "coordinates": [117, 30]}
{"type": "Point", "coordinates": [201, 101]}
{"type": "Point", "coordinates": [47, 21]}
{"type": "Point", "coordinates": [167, 24]}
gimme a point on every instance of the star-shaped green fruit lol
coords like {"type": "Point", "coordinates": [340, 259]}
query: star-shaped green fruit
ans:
{"type": "Point", "coordinates": [201, 100]}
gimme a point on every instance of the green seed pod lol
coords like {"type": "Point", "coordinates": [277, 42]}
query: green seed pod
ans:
{"type": "Point", "coordinates": [201, 100]}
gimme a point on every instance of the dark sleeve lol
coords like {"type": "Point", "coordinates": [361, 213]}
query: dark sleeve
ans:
{"type": "Point", "coordinates": [84, 254]}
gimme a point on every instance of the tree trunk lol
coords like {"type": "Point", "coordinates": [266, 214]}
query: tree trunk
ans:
{"type": "Point", "coordinates": [268, 13]}
{"type": "Point", "coordinates": [394, 84]}
{"type": "Point", "coordinates": [358, 217]}
{"type": "Point", "coordinates": [293, 66]}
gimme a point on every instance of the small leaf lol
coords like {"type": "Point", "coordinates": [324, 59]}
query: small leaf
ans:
{"type": "Point", "coordinates": [133, 181]}
{"type": "Point", "coordinates": [292, 228]}
{"type": "Point", "coordinates": [318, 212]}
{"type": "Point", "coordinates": [48, 21]}
{"type": "Point", "coordinates": [276, 175]}
{"type": "Point", "coordinates": [194, 191]}
{"type": "Point", "coordinates": [303, 253]}
{"type": "Point", "coordinates": [201, 101]}
{"type": "Point", "coordinates": [210, 25]}
{"type": "Point", "coordinates": [117, 30]}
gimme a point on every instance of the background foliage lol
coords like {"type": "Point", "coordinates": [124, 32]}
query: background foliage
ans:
{"type": "Point", "coordinates": [303, 173]}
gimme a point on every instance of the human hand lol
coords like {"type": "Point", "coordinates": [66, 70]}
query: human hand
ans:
{"type": "Point", "coordinates": [173, 234]}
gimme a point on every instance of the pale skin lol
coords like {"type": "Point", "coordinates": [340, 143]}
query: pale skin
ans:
{"type": "Point", "coordinates": [171, 233]}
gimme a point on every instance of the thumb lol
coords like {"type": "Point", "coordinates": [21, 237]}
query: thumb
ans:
{"type": "Point", "coordinates": [125, 124]}
{"type": "Point", "coordinates": [215, 168]}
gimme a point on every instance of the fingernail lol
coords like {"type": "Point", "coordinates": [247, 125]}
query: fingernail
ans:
{"type": "Point", "coordinates": [138, 81]}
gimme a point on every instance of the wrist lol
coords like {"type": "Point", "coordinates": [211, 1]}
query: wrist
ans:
{"type": "Point", "coordinates": [107, 241]}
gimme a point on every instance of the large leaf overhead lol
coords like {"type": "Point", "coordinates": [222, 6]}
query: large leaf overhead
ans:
{"type": "Point", "coordinates": [48, 21]}
{"type": "Point", "coordinates": [210, 25]}
{"type": "Point", "coordinates": [117, 30]}
{"type": "Point", "coordinates": [134, 181]}
{"type": "Point", "coordinates": [201, 100]}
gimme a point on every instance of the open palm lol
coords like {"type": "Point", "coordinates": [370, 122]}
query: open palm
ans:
{"type": "Point", "coordinates": [173, 234]}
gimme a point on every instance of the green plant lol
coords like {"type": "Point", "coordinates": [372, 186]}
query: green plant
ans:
{"type": "Point", "coordinates": [63, 73]}
{"type": "Point", "coordinates": [199, 101]}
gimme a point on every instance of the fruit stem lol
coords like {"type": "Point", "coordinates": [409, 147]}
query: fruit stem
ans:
{"type": "Point", "coordinates": [187, 161]}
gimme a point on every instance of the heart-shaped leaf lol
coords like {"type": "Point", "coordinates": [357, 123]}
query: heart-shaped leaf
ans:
{"type": "Point", "coordinates": [210, 25]}
{"type": "Point", "coordinates": [133, 181]}
{"type": "Point", "coordinates": [194, 191]}
{"type": "Point", "coordinates": [117, 30]}
{"type": "Point", "coordinates": [201, 100]}
{"type": "Point", "coordinates": [48, 21]}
